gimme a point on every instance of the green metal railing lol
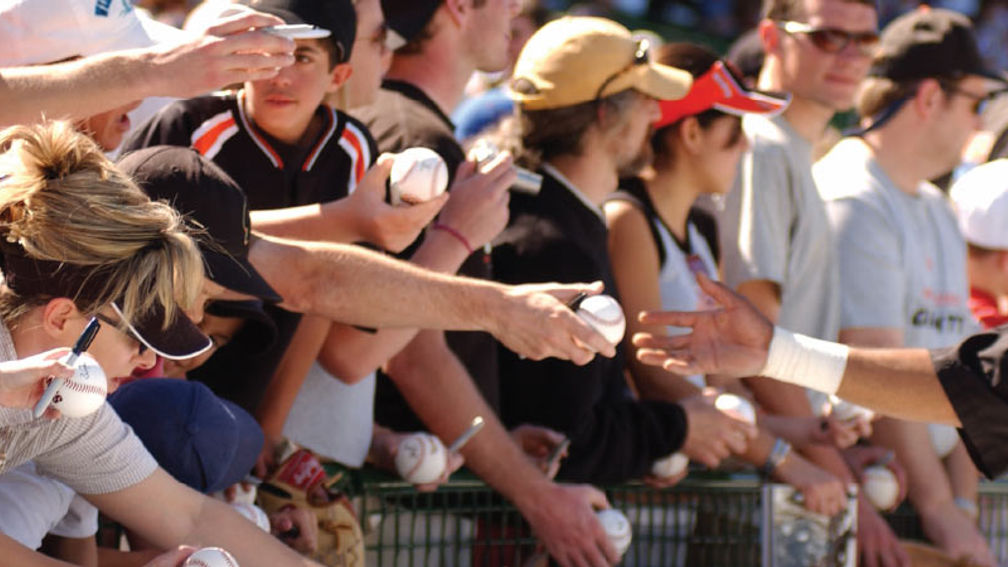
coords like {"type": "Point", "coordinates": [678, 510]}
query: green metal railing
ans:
{"type": "Point", "coordinates": [705, 520]}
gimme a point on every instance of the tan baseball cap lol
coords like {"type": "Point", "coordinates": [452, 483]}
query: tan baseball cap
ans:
{"type": "Point", "coordinates": [577, 59]}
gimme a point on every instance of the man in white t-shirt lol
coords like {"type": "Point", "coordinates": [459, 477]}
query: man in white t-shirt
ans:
{"type": "Point", "coordinates": [775, 238]}
{"type": "Point", "coordinates": [902, 258]}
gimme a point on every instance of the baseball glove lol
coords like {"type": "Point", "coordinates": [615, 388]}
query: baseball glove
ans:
{"type": "Point", "coordinates": [301, 481]}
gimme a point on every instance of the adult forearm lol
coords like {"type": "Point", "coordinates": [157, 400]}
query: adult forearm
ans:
{"type": "Point", "coordinates": [896, 382]}
{"type": "Point", "coordinates": [439, 390]}
{"type": "Point", "coordinates": [309, 222]}
{"type": "Point", "coordinates": [219, 525]}
{"type": "Point", "coordinates": [356, 286]}
{"type": "Point", "coordinates": [14, 553]}
{"type": "Point", "coordinates": [351, 354]}
{"type": "Point", "coordinates": [73, 90]}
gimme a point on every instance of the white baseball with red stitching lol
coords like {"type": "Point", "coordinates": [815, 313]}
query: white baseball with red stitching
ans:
{"type": "Point", "coordinates": [418, 175]}
{"type": "Point", "coordinates": [604, 314]}
{"type": "Point", "coordinates": [84, 392]}
{"type": "Point", "coordinates": [421, 458]}
{"type": "Point", "coordinates": [211, 557]}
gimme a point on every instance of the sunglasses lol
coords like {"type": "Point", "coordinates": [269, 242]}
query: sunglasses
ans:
{"type": "Point", "coordinates": [141, 346]}
{"type": "Point", "coordinates": [832, 40]}
{"type": "Point", "coordinates": [642, 56]}
{"type": "Point", "coordinates": [979, 100]}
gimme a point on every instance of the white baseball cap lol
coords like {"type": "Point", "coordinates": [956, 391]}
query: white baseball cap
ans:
{"type": "Point", "coordinates": [45, 31]}
{"type": "Point", "coordinates": [981, 201]}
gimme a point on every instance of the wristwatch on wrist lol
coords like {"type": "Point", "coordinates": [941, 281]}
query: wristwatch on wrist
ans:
{"type": "Point", "coordinates": [781, 449]}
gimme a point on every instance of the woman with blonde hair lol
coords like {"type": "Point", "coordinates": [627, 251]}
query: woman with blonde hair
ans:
{"type": "Point", "coordinates": [79, 239]}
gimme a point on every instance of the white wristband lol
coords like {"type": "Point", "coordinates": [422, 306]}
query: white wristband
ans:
{"type": "Point", "coordinates": [805, 361]}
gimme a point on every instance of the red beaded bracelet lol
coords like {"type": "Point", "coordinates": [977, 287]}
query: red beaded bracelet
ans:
{"type": "Point", "coordinates": [458, 235]}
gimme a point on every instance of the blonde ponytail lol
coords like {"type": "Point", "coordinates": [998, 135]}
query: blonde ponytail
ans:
{"type": "Point", "coordinates": [62, 200]}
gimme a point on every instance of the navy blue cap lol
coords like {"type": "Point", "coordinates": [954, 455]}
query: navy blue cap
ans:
{"type": "Point", "coordinates": [203, 441]}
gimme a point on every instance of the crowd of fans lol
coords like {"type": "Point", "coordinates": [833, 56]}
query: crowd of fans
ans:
{"type": "Point", "coordinates": [215, 195]}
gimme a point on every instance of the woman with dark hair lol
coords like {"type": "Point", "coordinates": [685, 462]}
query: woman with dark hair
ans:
{"type": "Point", "coordinates": [658, 241]}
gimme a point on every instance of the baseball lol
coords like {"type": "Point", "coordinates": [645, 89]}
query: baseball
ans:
{"type": "Point", "coordinates": [211, 557]}
{"type": "Point", "coordinates": [846, 411]}
{"type": "Point", "coordinates": [943, 438]}
{"type": "Point", "coordinates": [421, 458]}
{"type": "Point", "coordinates": [736, 407]}
{"type": "Point", "coordinates": [604, 314]}
{"type": "Point", "coordinates": [880, 487]}
{"type": "Point", "coordinates": [617, 527]}
{"type": "Point", "coordinates": [670, 466]}
{"type": "Point", "coordinates": [84, 392]}
{"type": "Point", "coordinates": [418, 175]}
{"type": "Point", "coordinates": [254, 514]}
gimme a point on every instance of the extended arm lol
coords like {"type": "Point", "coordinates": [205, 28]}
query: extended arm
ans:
{"type": "Point", "coordinates": [735, 340]}
{"type": "Point", "coordinates": [227, 53]}
{"type": "Point", "coordinates": [347, 283]}
{"type": "Point", "coordinates": [439, 389]}
{"type": "Point", "coordinates": [168, 513]}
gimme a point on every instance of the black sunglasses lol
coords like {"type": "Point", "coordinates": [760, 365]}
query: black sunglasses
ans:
{"type": "Point", "coordinates": [141, 346]}
{"type": "Point", "coordinates": [642, 56]}
{"type": "Point", "coordinates": [979, 100]}
{"type": "Point", "coordinates": [832, 40]}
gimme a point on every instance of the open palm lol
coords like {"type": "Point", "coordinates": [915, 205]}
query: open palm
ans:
{"type": "Point", "coordinates": [731, 340]}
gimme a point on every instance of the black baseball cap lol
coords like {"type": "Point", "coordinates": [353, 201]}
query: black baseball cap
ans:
{"type": "Point", "coordinates": [199, 189]}
{"type": "Point", "coordinates": [407, 18]}
{"type": "Point", "coordinates": [259, 329]}
{"type": "Point", "coordinates": [929, 43]}
{"type": "Point", "coordinates": [337, 16]}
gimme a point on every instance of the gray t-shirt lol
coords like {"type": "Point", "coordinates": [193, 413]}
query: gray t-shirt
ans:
{"type": "Point", "coordinates": [97, 454]}
{"type": "Point", "coordinates": [773, 227]}
{"type": "Point", "coordinates": [902, 258]}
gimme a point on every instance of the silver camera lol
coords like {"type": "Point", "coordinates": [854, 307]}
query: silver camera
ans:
{"type": "Point", "coordinates": [527, 182]}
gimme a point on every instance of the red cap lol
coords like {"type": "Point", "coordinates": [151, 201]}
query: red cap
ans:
{"type": "Point", "coordinates": [719, 89]}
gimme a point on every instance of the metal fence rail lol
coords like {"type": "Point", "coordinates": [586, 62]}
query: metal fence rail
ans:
{"type": "Point", "coordinates": [705, 520]}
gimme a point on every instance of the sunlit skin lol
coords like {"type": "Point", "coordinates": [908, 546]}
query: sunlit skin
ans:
{"type": "Point", "coordinates": [370, 57]}
{"type": "Point", "coordinates": [718, 168]}
{"type": "Point", "coordinates": [629, 141]}
{"type": "Point", "coordinates": [952, 133]}
{"type": "Point", "coordinates": [108, 128]}
{"type": "Point", "coordinates": [488, 37]}
{"type": "Point", "coordinates": [284, 106]}
{"type": "Point", "coordinates": [828, 81]}
{"type": "Point", "coordinates": [59, 323]}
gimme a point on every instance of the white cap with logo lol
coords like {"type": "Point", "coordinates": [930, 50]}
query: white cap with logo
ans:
{"type": "Point", "coordinates": [46, 31]}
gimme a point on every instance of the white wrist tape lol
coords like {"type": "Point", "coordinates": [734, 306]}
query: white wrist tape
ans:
{"type": "Point", "coordinates": [805, 361]}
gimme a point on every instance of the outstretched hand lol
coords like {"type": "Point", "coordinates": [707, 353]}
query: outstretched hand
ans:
{"type": "Point", "coordinates": [732, 340]}
{"type": "Point", "coordinates": [536, 323]}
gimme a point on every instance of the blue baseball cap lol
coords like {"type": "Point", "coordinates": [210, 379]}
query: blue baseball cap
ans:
{"type": "Point", "coordinates": [203, 441]}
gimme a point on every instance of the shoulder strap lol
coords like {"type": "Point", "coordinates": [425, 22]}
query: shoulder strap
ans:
{"type": "Point", "coordinates": [632, 191]}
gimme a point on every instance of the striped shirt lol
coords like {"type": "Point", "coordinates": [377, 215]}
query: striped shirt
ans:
{"type": "Point", "coordinates": [97, 454]}
{"type": "Point", "coordinates": [272, 174]}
